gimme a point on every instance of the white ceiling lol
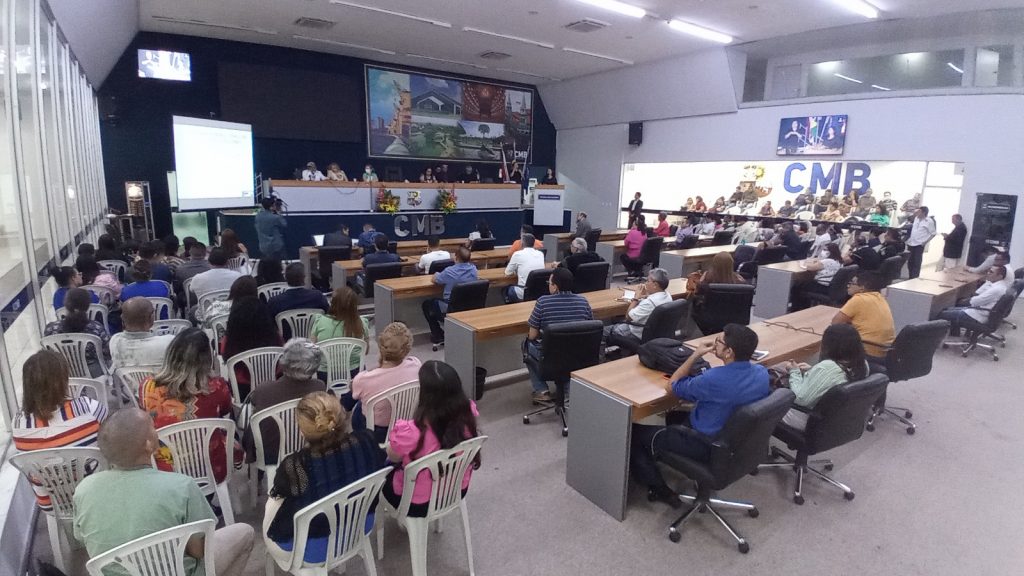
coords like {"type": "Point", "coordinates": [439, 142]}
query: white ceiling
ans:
{"type": "Point", "coordinates": [637, 41]}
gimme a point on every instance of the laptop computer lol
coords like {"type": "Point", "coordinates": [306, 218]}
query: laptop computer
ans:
{"type": "Point", "coordinates": [318, 239]}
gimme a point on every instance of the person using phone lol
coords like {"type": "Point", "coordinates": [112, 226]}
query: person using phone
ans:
{"type": "Point", "coordinates": [649, 296]}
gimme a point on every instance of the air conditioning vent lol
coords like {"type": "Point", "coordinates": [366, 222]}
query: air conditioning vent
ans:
{"type": "Point", "coordinates": [315, 23]}
{"type": "Point", "coordinates": [587, 25]}
{"type": "Point", "coordinates": [493, 55]}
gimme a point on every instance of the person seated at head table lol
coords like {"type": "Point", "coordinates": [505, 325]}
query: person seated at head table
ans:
{"type": "Point", "coordinates": [311, 174]}
{"type": "Point", "coordinates": [716, 394]}
{"type": "Point", "coordinates": [335, 173]}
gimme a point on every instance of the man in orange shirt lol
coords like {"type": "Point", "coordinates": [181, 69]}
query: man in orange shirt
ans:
{"type": "Point", "coordinates": [518, 244]}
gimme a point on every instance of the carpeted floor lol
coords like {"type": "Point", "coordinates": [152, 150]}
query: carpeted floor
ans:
{"type": "Point", "coordinates": [941, 502]}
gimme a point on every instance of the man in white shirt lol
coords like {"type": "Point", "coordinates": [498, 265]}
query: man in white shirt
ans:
{"type": "Point", "coordinates": [433, 255]}
{"type": "Point", "coordinates": [136, 345]}
{"type": "Point", "coordinates": [521, 263]}
{"type": "Point", "coordinates": [651, 295]}
{"type": "Point", "coordinates": [311, 174]}
{"type": "Point", "coordinates": [995, 259]}
{"type": "Point", "coordinates": [218, 277]}
{"type": "Point", "coordinates": [979, 305]}
{"type": "Point", "coordinates": [922, 231]}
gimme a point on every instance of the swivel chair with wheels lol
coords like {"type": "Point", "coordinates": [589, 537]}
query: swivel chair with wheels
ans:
{"type": "Point", "coordinates": [536, 284]}
{"type": "Point", "coordinates": [1017, 288]}
{"type": "Point", "coordinates": [466, 296]}
{"type": "Point", "coordinates": [722, 238]}
{"type": "Point", "coordinates": [837, 419]}
{"type": "Point", "coordinates": [376, 272]}
{"type": "Point", "coordinates": [909, 356]}
{"type": "Point", "coordinates": [977, 330]}
{"type": "Point", "coordinates": [688, 242]}
{"type": "Point", "coordinates": [736, 452]}
{"type": "Point", "coordinates": [891, 269]}
{"type": "Point", "coordinates": [481, 244]}
{"type": "Point", "coordinates": [439, 265]}
{"type": "Point", "coordinates": [725, 304]}
{"type": "Point", "coordinates": [592, 239]}
{"type": "Point", "coordinates": [662, 323]}
{"type": "Point", "coordinates": [325, 256]}
{"type": "Point", "coordinates": [837, 294]}
{"type": "Point", "coordinates": [590, 277]}
{"type": "Point", "coordinates": [650, 255]}
{"type": "Point", "coordinates": [567, 346]}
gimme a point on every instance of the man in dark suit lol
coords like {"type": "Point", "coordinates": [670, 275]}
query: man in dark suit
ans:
{"type": "Point", "coordinates": [634, 209]}
{"type": "Point", "coordinates": [953, 247]}
{"type": "Point", "coordinates": [340, 238]}
{"type": "Point", "coordinates": [296, 295]}
{"type": "Point", "coordinates": [578, 254]}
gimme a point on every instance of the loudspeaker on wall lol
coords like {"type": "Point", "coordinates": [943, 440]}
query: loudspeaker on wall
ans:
{"type": "Point", "coordinates": [636, 133]}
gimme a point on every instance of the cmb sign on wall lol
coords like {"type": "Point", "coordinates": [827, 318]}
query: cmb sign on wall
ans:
{"type": "Point", "coordinates": [836, 176]}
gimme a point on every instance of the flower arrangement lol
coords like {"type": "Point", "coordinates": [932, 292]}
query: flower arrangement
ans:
{"type": "Point", "coordinates": [753, 172]}
{"type": "Point", "coordinates": [447, 200]}
{"type": "Point", "coordinates": [386, 201]}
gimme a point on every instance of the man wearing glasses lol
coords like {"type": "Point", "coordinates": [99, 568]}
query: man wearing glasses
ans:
{"type": "Point", "coordinates": [651, 295]}
{"type": "Point", "coordinates": [561, 305]}
{"type": "Point", "coordinates": [716, 393]}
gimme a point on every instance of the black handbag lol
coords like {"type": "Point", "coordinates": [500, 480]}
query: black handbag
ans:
{"type": "Point", "coordinates": [667, 354]}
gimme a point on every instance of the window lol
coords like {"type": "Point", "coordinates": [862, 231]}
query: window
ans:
{"type": "Point", "coordinates": [993, 66]}
{"type": "Point", "coordinates": [907, 71]}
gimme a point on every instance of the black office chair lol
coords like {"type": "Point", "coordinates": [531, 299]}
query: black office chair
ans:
{"type": "Point", "coordinates": [724, 304]}
{"type": "Point", "coordinates": [891, 269]}
{"type": "Point", "coordinates": [909, 356]}
{"type": "Point", "coordinates": [650, 255]}
{"type": "Point", "coordinates": [805, 249]}
{"type": "Point", "coordinates": [567, 346]}
{"type": "Point", "coordinates": [590, 277]}
{"type": "Point", "coordinates": [327, 255]}
{"type": "Point", "coordinates": [481, 244]}
{"type": "Point", "coordinates": [837, 294]}
{"type": "Point", "coordinates": [466, 296]}
{"type": "Point", "coordinates": [374, 272]}
{"type": "Point", "coordinates": [736, 452]}
{"type": "Point", "coordinates": [536, 284]}
{"type": "Point", "coordinates": [672, 229]}
{"type": "Point", "coordinates": [1017, 288]}
{"type": "Point", "coordinates": [662, 323]}
{"type": "Point", "coordinates": [837, 419]}
{"type": "Point", "coordinates": [722, 238]}
{"type": "Point", "coordinates": [393, 246]}
{"type": "Point", "coordinates": [768, 255]}
{"type": "Point", "coordinates": [592, 238]}
{"type": "Point", "coordinates": [975, 330]}
{"type": "Point", "coordinates": [439, 265]}
{"type": "Point", "coordinates": [744, 253]}
{"type": "Point", "coordinates": [688, 242]}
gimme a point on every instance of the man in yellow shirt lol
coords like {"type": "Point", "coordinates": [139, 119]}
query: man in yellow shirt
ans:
{"type": "Point", "coordinates": [868, 312]}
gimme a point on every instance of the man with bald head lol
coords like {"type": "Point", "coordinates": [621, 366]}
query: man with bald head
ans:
{"type": "Point", "coordinates": [132, 499]}
{"type": "Point", "coordinates": [137, 345]}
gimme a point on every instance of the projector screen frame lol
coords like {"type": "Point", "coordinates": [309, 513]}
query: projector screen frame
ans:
{"type": "Point", "coordinates": [187, 203]}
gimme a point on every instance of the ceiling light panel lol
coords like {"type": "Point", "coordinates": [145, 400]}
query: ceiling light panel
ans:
{"type": "Point", "coordinates": [530, 74]}
{"type": "Point", "coordinates": [343, 44]}
{"type": "Point", "coordinates": [446, 61]}
{"type": "Point", "coordinates": [699, 31]}
{"type": "Point", "coordinates": [509, 37]}
{"type": "Point", "coordinates": [616, 6]}
{"type": "Point", "coordinates": [392, 13]}
{"type": "Point", "coordinates": [193, 22]}
{"type": "Point", "coordinates": [858, 7]}
{"type": "Point", "coordinates": [600, 56]}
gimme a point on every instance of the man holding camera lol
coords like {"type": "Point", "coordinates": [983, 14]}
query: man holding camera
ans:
{"type": "Point", "coordinates": [270, 229]}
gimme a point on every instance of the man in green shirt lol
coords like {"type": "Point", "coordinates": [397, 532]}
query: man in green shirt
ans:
{"type": "Point", "coordinates": [133, 499]}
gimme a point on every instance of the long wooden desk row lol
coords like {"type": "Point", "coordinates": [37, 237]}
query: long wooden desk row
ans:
{"type": "Point", "coordinates": [922, 298]}
{"type": "Point", "coordinates": [556, 244]}
{"type": "Point", "coordinates": [491, 338]}
{"type": "Point", "coordinates": [400, 299]}
{"type": "Point", "coordinates": [308, 254]}
{"type": "Point", "coordinates": [608, 398]}
{"type": "Point", "coordinates": [342, 269]}
{"type": "Point", "coordinates": [678, 263]}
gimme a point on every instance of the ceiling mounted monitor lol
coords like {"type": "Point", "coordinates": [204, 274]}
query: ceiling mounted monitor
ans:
{"type": "Point", "coordinates": [165, 65]}
{"type": "Point", "coordinates": [812, 136]}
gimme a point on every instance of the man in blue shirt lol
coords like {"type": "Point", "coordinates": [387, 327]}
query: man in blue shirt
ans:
{"type": "Point", "coordinates": [716, 394]}
{"type": "Point", "coordinates": [296, 296]}
{"type": "Point", "coordinates": [366, 239]}
{"type": "Point", "coordinates": [270, 228]}
{"type": "Point", "coordinates": [434, 309]}
{"type": "Point", "coordinates": [381, 256]}
{"type": "Point", "coordinates": [561, 305]}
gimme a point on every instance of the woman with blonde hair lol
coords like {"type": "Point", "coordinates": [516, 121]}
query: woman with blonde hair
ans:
{"type": "Point", "coordinates": [719, 272]}
{"type": "Point", "coordinates": [342, 321]}
{"type": "Point", "coordinates": [396, 367]}
{"type": "Point", "coordinates": [335, 455]}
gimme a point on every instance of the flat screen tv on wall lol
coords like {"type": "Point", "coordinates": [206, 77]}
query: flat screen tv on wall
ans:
{"type": "Point", "coordinates": [413, 115]}
{"type": "Point", "coordinates": [812, 136]}
{"type": "Point", "coordinates": [165, 65]}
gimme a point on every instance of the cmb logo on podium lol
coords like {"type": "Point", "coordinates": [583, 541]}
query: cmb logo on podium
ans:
{"type": "Point", "coordinates": [407, 226]}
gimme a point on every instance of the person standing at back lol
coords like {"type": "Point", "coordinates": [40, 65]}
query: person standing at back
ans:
{"type": "Point", "coordinates": [953, 244]}
{"type": "Point", "coordinates": [636, 205]}
{"type": "Point", "coordinates": [582, 227]}
{"type": "Point", "coordinates": [921, 232]}
{"type": "Point", "coordinates": [520, 265]}
{"type": "Point", "coordinates": [270, 227]}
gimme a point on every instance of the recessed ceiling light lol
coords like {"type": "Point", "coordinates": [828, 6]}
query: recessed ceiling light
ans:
{"type": "Point", "coordinates": [955, 67]}
{"type": "Point", "coordinates": [530, 74]}
{"type": "Point", "coordinates": [616, 6]}
{"type": "Point", "coordinates": [859, 7]}
{"type": "Point", "coordinates": [445, 60]}
{"type": "Point", "coordinates": [847, 78]}
{"type": "Point", "coordinates": [343, 44]}
{"type": "Point", "coordinates": [509, 37]}
{"type": "Point", "coordinates": [595, 55]}
{"type": "Point", "coordinates": [392, 13]}
{"type": "Point", "coordinates": [699, 31]}
{"type": "Point", "coordinates": [877, 87]}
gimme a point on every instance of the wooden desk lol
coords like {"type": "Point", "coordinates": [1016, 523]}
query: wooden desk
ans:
{"type": "Point", "coordinates": [679, 263]}
{"type": "Point", "coordinates": [774, 284]}
{"type": "Point", "coordinates": [921, 299]}
{"type": "Point", "coordinates": [611, 250]}
{"type": "Point", "coordinates": [342, 269]}
{"type": "Point", "coordinates": [400, 299]}
{"type": "Point", "coordinates": [607, 399]}
{"type": "Point", "coordinates": [556, 244]}
{"type": "Point", "coordinates": [308, 254]}
{"type": "Point", "coordinates": [491, 338]}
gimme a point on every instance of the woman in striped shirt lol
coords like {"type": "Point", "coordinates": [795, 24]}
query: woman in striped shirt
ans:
{"type": "Point", "coordinates": [50, 418]}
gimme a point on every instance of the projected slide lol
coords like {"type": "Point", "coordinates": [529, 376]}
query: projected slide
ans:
{"type": "Point", "coordinates": [413, 115]}
{"type": "Point", "coordinates": [213, 162]}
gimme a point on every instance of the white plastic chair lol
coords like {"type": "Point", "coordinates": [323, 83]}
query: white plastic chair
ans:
{"type": "Point", "coordinates": [118, 267]}
{"type": "Point", "coordinates": [403, 399]}
{"type": "Point", "coordinates": [261, 364]}
{"type": "Point", "coordinates": [90, 388]}
{"type": "Point", "coordinates": [57, 472]}
{"type": "Point", "coordinates": [290, 440]}
{"type": "Point", "coordinates": [205, 300]}
{"type": "Point", "coordinates": [254, 266]}
{"type": "Point", "coordinates": [168, 285]}
{"type": "Point", "coordinates": [239, 264]}
{"type": "Point", "coordinates": [161, 306]}
{"type": "Point", "coordinates": [189, 444]}
{"type": "Point", "coordinates": [190, 301]}
{"type": "Point", "coordinates": [171, 326]}
{"type": "Point", "coordinates": [97, 312]}
{"type": "Point", "coordinates": [338, 355]}
{"type": "Point", "coordinates": [346, 512]}
{"type": "Point", "coordinates": [105, 295]}
{"type": "Point", "coordinates": [131, 379]}
{"type": "Point", "coordinates": [298, 321]}
{"type": "Point", "coordinates": [73, 347]}
{"type": "Point", "coordinates": [219, 325]}
{"type": "Point", "coordinates": [447, 468]}
{"type": "Point", "coordinates": [268, 291]}
{"type": "Point", "coordinates": [159, 554]}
